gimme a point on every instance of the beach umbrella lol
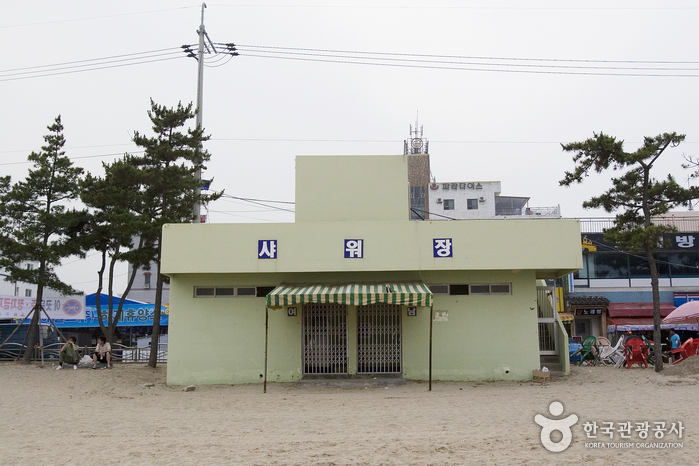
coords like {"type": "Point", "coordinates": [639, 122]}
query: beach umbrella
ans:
{"type": "Point", "coordinates": [687, 313]}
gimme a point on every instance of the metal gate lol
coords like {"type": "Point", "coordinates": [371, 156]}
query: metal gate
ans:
{"type": "Point", "coordinates": [547, 308]}
{"type": "Point", "coordinates": [324, 339]}
{"type": "Point", "coordinates": [378, 339]}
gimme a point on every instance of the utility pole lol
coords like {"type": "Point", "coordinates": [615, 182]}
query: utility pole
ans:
{"type": "Point", "coordinates": [200, 100]}
{"type": "Point", "coordinates": [205, 46]}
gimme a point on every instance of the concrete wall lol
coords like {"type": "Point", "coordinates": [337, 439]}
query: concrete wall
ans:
{"type": "Point", "coordinates": [221, 340]}
{"type": "Point", "coordinates": [484, 337]}
{"type": "Point", "coordinates": [551, 247]}
{"type": "Point", "coordinates": [346, 189]}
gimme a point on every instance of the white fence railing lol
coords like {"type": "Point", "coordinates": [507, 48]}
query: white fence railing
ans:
{"type": "Point", "coordinates": [120, 353]}
{"type": "Point", "coordinates": [683, 224]}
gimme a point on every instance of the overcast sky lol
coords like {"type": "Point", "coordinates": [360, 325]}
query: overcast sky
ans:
{"type": "Point", "coordinates": [497, 87]}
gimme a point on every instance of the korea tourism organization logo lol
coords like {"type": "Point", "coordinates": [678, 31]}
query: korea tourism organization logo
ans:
{"type": "Point", "coordinates": [549, 426]}
{"type": "Point", "coordinates": [557, 434]}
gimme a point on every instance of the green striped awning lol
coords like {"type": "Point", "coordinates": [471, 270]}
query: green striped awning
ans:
{"type": "Point", "coordinates": [353, 294]}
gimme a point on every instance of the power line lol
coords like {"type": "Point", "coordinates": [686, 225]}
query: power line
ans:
{"type": "Point", "coordinates": [70, 148]}
{"type": "Point", "coordinates": [558, 66]}
{"type": "Point", "coordinates": [92, 64]}
{"type": "Point", "coordinates": [466, 57]}
{"type": "Point", "coordinates": [114, 154]}
{"type": "Point", "coordinates": [261, 203]}
{"type": "Point", "coordinates": [258, 200]}
{"type": "Point", "coordinates": [489, 64]}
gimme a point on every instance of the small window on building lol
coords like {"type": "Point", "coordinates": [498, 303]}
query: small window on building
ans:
{"type": "Point", "coordinates": [458, 290]}
{"type": "Point", "coordinates": [30, 266]}
{"type": "Point", "coordinates": [225, 291]}
{"type": "Point", "coordinates": [202, 292]}
{"type": "Point", "coordinates": [263, 291]}
{"type": "Point", "coordinates": [439, 289]}
{"type": "Point", "coordinates": [247, 291]}
{"type": "Point", "coordinates": [480, 289]}
{"type": "Point", "coordinates": [472, 204]}
{"type": "Point", "coordinates": [500, 288]}
{"type": "Point", "coordinates": [448, 204]}
{"type": "Point", "coordinates": [146, 279]}
{"type": "Point", "coordinates": [27, 293]}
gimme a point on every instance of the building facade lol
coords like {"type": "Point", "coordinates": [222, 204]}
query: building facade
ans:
{"type": "Point", "coordinates": [354, 287]}
{"type": "Point", "coordinates": [611, 294]}
{"type": "Point", "coordinates": [22, 289]}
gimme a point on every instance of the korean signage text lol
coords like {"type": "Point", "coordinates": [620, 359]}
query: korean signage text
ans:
{"type": "Point", "coordinates": [63, 307]}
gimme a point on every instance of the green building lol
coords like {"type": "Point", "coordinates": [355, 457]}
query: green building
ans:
{"type": "Point", "coordinates": [355, 287]}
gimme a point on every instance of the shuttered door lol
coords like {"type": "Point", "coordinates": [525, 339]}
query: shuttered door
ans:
{"type": "Point", "coordinates": [378, 339]}
{"type": "Point", "coordinates": [324, 339]}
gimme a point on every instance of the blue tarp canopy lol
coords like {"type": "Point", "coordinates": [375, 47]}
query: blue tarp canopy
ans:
{"type": "Point", "coordinates": [91, 300]}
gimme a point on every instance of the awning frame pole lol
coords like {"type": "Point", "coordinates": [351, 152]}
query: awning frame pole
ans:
{"type": "Point", "coordinates": [430, 364]}
{"type": "Point", "coordinates": [264, 389]}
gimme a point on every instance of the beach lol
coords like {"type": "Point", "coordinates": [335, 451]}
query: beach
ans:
{"type": "Point", "coordinates": [128, 415]}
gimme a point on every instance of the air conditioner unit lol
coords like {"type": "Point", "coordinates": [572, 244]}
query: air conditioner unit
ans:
{"type": "Point", "coordinates": [481, 199]}
{"type": "Point", "coordinates": [439, 200]}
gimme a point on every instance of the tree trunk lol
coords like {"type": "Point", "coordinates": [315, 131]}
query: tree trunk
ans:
{"type": "Point", "coordinates": [120, 307]}
{"type": "Point", "coordinates": [98, 303]}
{"type": "Point", "coordinates": [657, 344]}
{"type": "Point", "coordinates": [155, 338]}
{"type": "Point", "coordinates": [34, 324]}
{"type": "Point", "coordinates": [31, 334]}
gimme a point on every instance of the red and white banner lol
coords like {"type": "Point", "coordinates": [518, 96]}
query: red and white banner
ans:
{"type": "Point", "coordinates": [62, 307]}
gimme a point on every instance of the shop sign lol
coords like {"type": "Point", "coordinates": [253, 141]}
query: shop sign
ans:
{"type": "Point", "coordinates": [588, 312]}
{"type": "Point", "coordinates": [442, 247]}
{"type": "Point", "coordinates": [267, 249]}
{"type": "Point", "coordinates": [354, 248]}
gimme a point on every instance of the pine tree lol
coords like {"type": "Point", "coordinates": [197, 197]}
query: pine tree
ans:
{"type": "Point", "coordinates": [116, 230]}
{"type": "Point", "coordinates": [37, 225]}
{"type": "Point", "coordinates": [636, 195]}
{"type": "Point", "coordinates": [171, 159]}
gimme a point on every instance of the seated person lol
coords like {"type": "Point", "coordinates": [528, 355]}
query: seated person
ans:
{"type": "Point", "coordinates": [102, 353]}
{"type": "Point", "coordinates": [69, 354]}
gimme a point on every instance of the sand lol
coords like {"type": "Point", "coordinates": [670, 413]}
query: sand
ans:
{"type": "Point", "coordinates": [107, 417]}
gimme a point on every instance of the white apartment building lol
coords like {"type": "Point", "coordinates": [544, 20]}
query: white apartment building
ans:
{"type": "Point", "coordinates": [473, 200]}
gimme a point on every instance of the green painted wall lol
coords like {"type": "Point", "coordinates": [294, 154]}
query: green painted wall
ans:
{"type": "Point", "coordinates": [485, 337]}
{"type": "Point", "coordinates": [551, 247]}
{"type": "Point", "coordinates": [352, 188]}
{"type": "Point", "coordinates": [221, 340]}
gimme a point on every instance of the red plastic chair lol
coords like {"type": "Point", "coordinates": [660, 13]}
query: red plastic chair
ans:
{"type": "Point", "coordinates": [688, 348]}
{"type": "Point", "coordinates": [695, 345]}
{"type": "Point", "coordinates": [636, 352]}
